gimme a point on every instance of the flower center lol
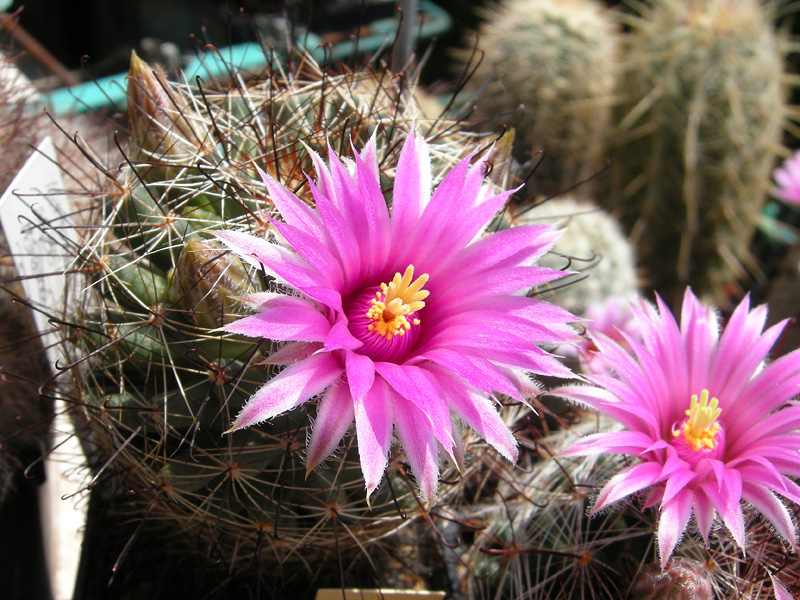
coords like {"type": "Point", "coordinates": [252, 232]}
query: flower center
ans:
{"type": "Point", "coordinates": [394, 303]}
{"type": "Point", "coordinates": [386, 317]}
{"type": "Point", "coordinates": [701, 428]}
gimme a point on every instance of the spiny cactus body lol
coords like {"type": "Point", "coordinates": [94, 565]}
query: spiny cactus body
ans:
{"type": "Point", "coordinates": [593, 244]}
{"type": "Point", "coordinates": [158, 386]}
{"type": "Point", "coordinates": [558, 60]}
{"type": "Point", "coordinates": [700, 128]}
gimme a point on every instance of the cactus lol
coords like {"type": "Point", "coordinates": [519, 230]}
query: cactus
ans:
{"type": "Point", "coordinates": [157, 385]}
{"type": "Point", "coordinates": [558, 60]}
{"type": "Point", "coordinates": [593, 244]}
{"type": "Point", "coordinates": [699, 132]}
{"type": "Point", "coordinates": [531, 535]}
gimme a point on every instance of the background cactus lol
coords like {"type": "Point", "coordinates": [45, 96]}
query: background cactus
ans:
{"type": "Point", "coordinates": [527, 530]}
{"type": "Point", "coordinates": [157, 387]}
{"type": "Point", "coordinates": [593, 244]}
{"type": "Point", "coordinates": [558, 60]}
{"type": "Point", "coordinates": [704, 105]}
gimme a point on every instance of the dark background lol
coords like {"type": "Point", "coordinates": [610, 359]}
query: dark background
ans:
{"type": "Point", "coordinates": [96, 37]}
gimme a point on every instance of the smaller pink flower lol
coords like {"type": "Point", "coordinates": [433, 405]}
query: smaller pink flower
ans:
{"type": "Point", "coordinates": [787, 177]}
{"type": "Point", "coordinates": [612, 318]}
{"type": "Point", "coordinates": [710, 420]}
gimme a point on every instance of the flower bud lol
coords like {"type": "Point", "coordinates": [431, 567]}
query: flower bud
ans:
{"type": "Point", "coordinates": [209, 282]}
{"type": "Point", "coordinates": [683, 579]}
{"type": "Point", "coordinates": [159, 116]}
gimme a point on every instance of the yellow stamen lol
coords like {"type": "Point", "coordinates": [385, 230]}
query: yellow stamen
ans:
{"type": "Point", "coordinates": [395, 300]}
{"type": "Point", "coordinates": [701, 428]}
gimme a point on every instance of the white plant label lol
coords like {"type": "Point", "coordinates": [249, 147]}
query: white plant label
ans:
{"type": "Point", "coordinates": [34, 213]}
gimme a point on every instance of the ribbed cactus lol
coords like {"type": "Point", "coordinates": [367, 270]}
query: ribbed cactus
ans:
{"type": "Point", "coordinates": [558, 59]}
{"type": "Point", "coordinates": [702, 121]}
{"type": "Point", "coordinates": [593, 244]}
{"type": "Point", "coordinates": [158, 386]}
{"type": "Point", "coordinates": [531, 535]}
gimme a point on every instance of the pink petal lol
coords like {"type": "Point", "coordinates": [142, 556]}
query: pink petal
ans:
{"type": "Point", "coordinates": [615, 442]}
{"type": "Point", "coordinates": [726, 500]}
{"type": "Point", "coordinates": [342, 236]}
{"type": "Point", "coordinates": [374, 416]}
{"type": "Point", "coordinates": [292, 386]}
{"type": "Point", "coordinates": [291, 353]}
{"type": "Point", "coordinates": [479, 372]}
{"type": "Point", "coordinates": [628, 481]}
{"type": "Point", "coordinates": [772, 509]}
{"type": "Point", "coordinates": [335, 414]}
{"type": "Point", "coordinates": [674, 517]}
{"type": "Point", "coordinates": [340, 338]}
{"type": "Point", "coordinates": [419, 444]}
{"type": "Point", "coordinates": [294, 211]}
{"type": "Point", "coordinates": [676, 482]}
{"type": "Point", "coordinates": [480, 413]}
{"type": "Point", "coordinates": [781, 593]}
{"type": "Point", "coordinates": [316, 254]}
{"type": "Point", "coordinates": [285, 318]}
{"type": "Point", "coordinates": [378, 226]}
{"type": "Point", "coordinates": [412, 188]}
{"type": "Point", "coordinates": [704, 514]}
{"type": "Point", "coordinates": [283, 264]}
{"type": "Point", "coordinates": [360, 374]}
{"type": "Point", "coordinates": [413, 383]}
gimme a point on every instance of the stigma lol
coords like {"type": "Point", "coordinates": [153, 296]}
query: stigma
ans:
{"type": "Point", "coordinates": [701, 428]}
{"type": "Point", "coordinates": [392, 310]}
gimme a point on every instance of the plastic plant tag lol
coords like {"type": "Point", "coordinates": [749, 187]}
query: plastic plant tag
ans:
{"type": "Point", "coordinates": [34, 213]}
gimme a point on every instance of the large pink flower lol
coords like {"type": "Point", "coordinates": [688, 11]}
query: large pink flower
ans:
{"type": "Point", "coordinates": [401, 321]}
{"type": "Point", "coordinates": [711, 422]}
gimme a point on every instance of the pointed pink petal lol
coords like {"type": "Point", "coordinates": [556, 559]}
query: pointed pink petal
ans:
{"type": "Point", "coordinates": [412, 188]}
{"type": "Point", "coordinates": [676, 482]}
{"type": "Point", "coordinates": [726, 500]}
{"type": "Point", "coordinates": [287, 318]}
{"type": "Point", "coordinates": [414, 384]}
{"type": "Point", "coordinates": [340, 338]}
{"type": "Point", "coordinates": [479, 372]}
{"type": "Point", "coordinates": [283, 264]}
{"type": "Point", "coordinates": [628, 481]}
{"type": "Point", "coordinates": [291, 353]}
{"type": "Point", "coordinates": [316, 254]}
{"type": "Point", "coordinates": [674, 517]}
{"type": "Point", "coordinates": [294, 211]}
{"type": "Point", "coordinates": [341, 234]}
{"type": "Point", "coordinates": [465, 290]}
{"type": "Point", "coordinates": [374, 417]}
{"type": "Point", "coordinates": [335, 414]}
{"type": "Point", "coordinates": [480, 413]}
{"type": "Point", "coordinates": [360, 373]}
{"type": "Point", "coordinates": [704, 514]}
{"type": "Point", "coordinates": [378, 226]}
{"type": "Point", "coordinates": [292, 386]}
{"type": "Point", "coordinates": [772, 509]}
{"type": "Point", "coordinates": [615, 442]}
{"type": "Point", "coordinates": [781, 593]}
{"type": "Point", "coordinates": [414, 432]}
{"type": "Point", "coordinates": [440, 242]}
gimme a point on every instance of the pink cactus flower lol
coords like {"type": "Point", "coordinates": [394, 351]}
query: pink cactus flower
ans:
{"type": "Point", "coordinates": [613, 318]}
{"type": "Point", "coordinates": [710, 421]}
{"type": "Point", "coordinates": [787, 176]}
{"type": "Point", "coordinates": [399, 321]}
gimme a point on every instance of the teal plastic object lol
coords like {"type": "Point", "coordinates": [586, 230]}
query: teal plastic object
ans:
{"type": "Point", "coordinates": [110, 92]}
